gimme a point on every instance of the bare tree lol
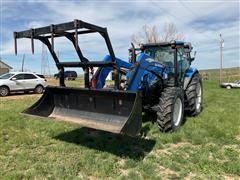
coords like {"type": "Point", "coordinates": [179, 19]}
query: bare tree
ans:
{"type": "Point", "coordinates": [149, 34]}
{"type": "Point", "coordinates": [170, 33]}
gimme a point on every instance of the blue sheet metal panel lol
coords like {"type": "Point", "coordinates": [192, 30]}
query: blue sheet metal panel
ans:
{"type": "Point", "coordinates": [106, 70]}
{"type": "Point", "coordinates": [146, 65]}
{"type": "Point", "coordinates": [190, 72]}
{"type": "Point", "coordinates": [179, 42]}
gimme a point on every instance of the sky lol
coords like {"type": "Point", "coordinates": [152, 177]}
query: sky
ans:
{"type": "Point", "coordinates": [201, 22]}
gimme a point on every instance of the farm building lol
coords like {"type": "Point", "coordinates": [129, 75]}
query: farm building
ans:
{"type": "Point", "coordinates": [4, 68]}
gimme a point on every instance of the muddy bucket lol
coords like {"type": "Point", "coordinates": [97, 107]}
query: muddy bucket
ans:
{"type": "Point", "coordinates": [108, 110]}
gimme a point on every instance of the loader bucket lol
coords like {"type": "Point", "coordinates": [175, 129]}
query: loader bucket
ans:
{"type": "Point", "coordinates": [107, 110]}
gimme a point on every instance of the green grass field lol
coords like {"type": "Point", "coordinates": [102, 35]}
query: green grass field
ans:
{"type": "Point", "coordinates": [206, 146]}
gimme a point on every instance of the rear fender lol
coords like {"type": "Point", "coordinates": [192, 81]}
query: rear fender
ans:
{"type": "Point", "coordinates": [189, 73]}
{"type": "Point", "coordinates": [39, 85]}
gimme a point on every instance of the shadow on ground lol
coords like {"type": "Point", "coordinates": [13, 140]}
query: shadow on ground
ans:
{"type": "Point", "coordinates": [123, 146]}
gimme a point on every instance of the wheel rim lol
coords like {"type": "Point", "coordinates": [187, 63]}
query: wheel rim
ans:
{"type": "Point", "coordinates": [199, 97]}
{"type": "Point", "coordinates": [228, 87]}
{"type": "Point", "coordinates": [177, 112]}
{"type": "Point", "coordinates": [39, 89]}
{"type": "Point", "coordinates": [3, 91]}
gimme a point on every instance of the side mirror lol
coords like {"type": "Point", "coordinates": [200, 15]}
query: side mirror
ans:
{"type": "Point", "coordinates": [132, 54]}
{"type": "Point", "coordinates": [187, 47]}
{"type": "Point", "coordinates": [14, 79]}
{"type": "Point", "coordinates": [191, 58]}
{"type": "Point", "coordinates": [194, 55]}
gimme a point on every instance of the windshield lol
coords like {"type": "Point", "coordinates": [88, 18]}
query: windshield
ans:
{"type": "Point", "coordinates": [6, 76]}
{"type": "Point", "coordinates": [164, 55]}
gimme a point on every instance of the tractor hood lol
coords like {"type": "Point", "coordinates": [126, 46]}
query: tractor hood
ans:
{"type": "Point", "coordinates": [145, 67]}
{"type": "Point", "coordinates": [152, 66]}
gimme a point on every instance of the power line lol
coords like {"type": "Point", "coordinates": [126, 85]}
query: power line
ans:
{"type": "Point", "coordinates": [186, 7]}
{"type": "Point", "coordinates": [182, 21]}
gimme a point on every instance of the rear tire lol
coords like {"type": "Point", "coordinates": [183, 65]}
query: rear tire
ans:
{"type": "Point", "coordinates": [194, 96]}
{"type": "Point", "coordinates": [228, 87]}
{"type": "Point", "coordinates": [4, 91]}
{"type": "Point", "coordinates": [170, 109]}
{"type": "Point", "coordinates": [39, 89]}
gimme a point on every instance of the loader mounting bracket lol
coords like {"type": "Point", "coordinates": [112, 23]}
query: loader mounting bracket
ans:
{"type": "Point", "coordinates": [70, 30]}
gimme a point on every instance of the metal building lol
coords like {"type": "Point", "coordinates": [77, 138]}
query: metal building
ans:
{"type": "Point", "coordinates": [4, 68]}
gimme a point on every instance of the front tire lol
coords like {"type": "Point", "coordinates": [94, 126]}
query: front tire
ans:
{"type": "Point", "coordinates": [170, 109]}
{"type": "Point", "coordinates": [4, 91]}
{"type": "Point", "coordinates": [194, 96]}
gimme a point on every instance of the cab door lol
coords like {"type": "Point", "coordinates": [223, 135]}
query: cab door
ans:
{"type": "Point", "coordinates": [182, 64]}
{"type": "Point", "coordinates": [17, 82]}
{"type": "Point", "coordinates": [237, 84]}
{"type": "Point", "coordinates": [30, 81]}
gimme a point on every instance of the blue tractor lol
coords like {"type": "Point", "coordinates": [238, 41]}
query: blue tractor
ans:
{"type": "Point", "coordinates": [157, 80]}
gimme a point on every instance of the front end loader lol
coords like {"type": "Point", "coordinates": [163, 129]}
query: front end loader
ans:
{"type": "Point", "coordinates": [110, 110]}
{"type": "Point", "coordinates": [157, 80]}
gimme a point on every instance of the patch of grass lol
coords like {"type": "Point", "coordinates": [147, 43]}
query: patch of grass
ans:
{"type": "Point", "coordinates": [75, 83]}
{"type": "Point", "coordinates": [206, 146]}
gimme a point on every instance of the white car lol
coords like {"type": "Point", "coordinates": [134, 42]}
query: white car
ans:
{"type": "Point", "coordinates": [230, 85]}
{"type": "Point", "coordinates": [22, 81]}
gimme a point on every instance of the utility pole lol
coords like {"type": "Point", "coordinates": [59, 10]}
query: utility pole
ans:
{"type": "Point", "coordinates": [221, 57]}
{"type": "Point", "coordinates": [23, 59]}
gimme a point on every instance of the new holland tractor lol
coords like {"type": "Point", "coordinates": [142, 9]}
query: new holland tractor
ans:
{"type": "Point", "coordinates": [157, 80]}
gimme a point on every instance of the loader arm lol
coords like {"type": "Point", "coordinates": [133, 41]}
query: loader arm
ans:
{"type": "Point", "coordinates": [145, 65]}
{"type": "Point", "coordinates": [103, 72]}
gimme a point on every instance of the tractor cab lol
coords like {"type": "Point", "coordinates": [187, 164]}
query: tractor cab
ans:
{"type": "Point", "coordinates": [174, 56]}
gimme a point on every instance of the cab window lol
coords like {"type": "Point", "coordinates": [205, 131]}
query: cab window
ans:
{"type": "Point", "coordinates": [29, 76]}
{"type": "Point", "coordinates": [19, 76]}
{"type": "Point", "coordinates": [163, 55]}
{"type": "Point", "coordinates": [182, 59]}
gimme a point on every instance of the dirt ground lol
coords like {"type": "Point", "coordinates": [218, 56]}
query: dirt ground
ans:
{"type": "Point", "coordinates": [19, 95]}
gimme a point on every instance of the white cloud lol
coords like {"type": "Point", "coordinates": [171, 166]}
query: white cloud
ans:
{"type": "Point", "coordinates": [126, 18]}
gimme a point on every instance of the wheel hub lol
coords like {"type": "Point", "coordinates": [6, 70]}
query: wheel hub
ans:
{"type": "Point", "coordinates": [3, 91]}
{"type": "Point", "coordinates": [177, 112]}
{"type": "Point", "coordinates": [199, 97]}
